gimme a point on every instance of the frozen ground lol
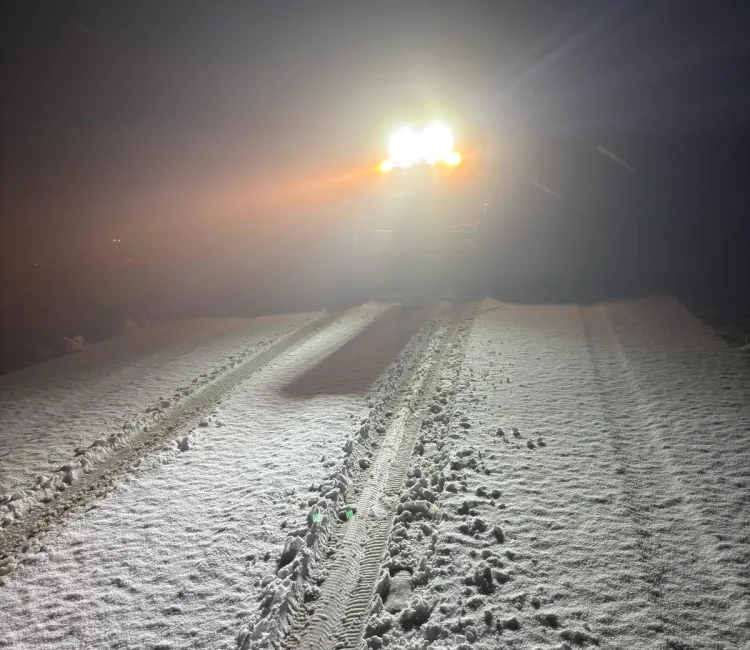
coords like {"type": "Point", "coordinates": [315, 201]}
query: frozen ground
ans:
{"type": "Point", "coordinates": [49, 409]}
{"type": "Point", "coordinates": [572, 476]}
{"type": "Point", "coordinates": [597, 488]}
{"type": "Point", "coordinates": [173, 557]}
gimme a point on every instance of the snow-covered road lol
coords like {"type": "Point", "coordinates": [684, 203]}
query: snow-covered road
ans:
{"type": "Point", "coordinates": [49, 409]}
{"type": "Point", "coordinates": [631, 525]}
{"type": "Point", "coordinates": [478, 476]}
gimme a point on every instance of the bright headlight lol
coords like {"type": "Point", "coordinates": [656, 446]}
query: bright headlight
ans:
{"type": "Point", "coordinates": [432, 145]}
{"type": "Point", "coordinates": [404, 148]}
{"type": "Point", "coordinates": [436, 142]}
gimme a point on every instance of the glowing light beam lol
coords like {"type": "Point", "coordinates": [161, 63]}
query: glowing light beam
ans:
{"type": "Point", "coordinates": [547, 190]}
{"type": "Point", "coordinates": [612, 156]}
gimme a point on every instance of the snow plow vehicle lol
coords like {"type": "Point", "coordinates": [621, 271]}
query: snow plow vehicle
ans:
{"type": "Point", "coordinates": [425, 221]}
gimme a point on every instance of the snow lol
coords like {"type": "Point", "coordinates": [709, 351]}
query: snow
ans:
{"type": "Point", "coordinates": [75, 344]}
{"type": "Point", "coordinates": [175, 556]}
{"type": "Point", "coordinates": [581, 478]}
{"type": "Point", "coordinates": [597, 472]}
{"type": "Point", "coordinates": [50, 409]}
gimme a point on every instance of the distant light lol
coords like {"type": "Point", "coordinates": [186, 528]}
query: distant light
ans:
{"type": "Point", "coordinates": [387, 165]}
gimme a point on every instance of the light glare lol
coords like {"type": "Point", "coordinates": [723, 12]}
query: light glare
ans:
{"type": "Point", "coordinates": [404, 148]}
{"type": "Point", "coordinates": [453, 158]}
{"type": "Point", "coordinates": [436, 142]}
{"type": "Point", "coordinates": [432, 145]}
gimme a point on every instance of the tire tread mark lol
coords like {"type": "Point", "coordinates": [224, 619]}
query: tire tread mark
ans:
{"type": "Point", "coordinates": [339, 618]}
{"type": "Point", "coordinates": [16, 539]}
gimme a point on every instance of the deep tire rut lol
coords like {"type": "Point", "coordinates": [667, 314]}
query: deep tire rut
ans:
{"type": "Point", "coordinates": [23, 537]}
{"type": "Point", "coordinates": [341, 612]}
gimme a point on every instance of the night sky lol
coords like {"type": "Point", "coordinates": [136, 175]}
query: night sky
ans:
{"type": "Point", "coordinates": [185, 128]}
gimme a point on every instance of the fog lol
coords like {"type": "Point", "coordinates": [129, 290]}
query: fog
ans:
{"type": "Point", "coordinates": [175, 160]}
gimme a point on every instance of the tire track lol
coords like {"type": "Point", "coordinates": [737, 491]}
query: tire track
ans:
{"type": "Point", "coordinates": [290, 594]}
{"type": "Point", "coordinates": [340, 615]}
{"type": "Point", "coordinates": [684, 599]}
{"type": "Point", "coordinates": [23, 536]}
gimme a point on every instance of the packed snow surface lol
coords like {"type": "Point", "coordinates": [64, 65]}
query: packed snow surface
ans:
{"type": "Point", "coordinates": [174, 558]}
{"type": "Point", "coordinates": [592, 487]}
{"type": "Point", "coordinates": [582, 479]}
{"type": "Point", "coordinates": [49, 409]}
